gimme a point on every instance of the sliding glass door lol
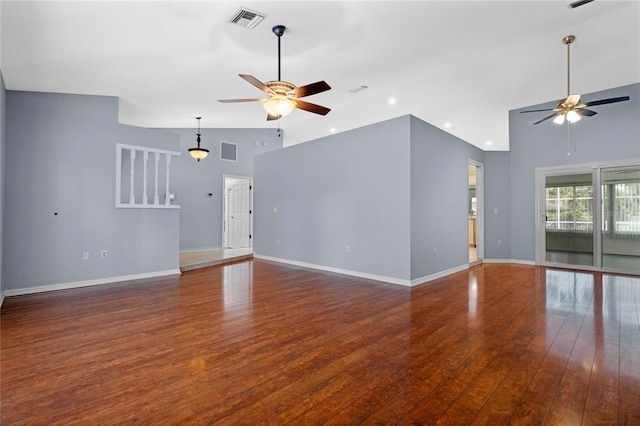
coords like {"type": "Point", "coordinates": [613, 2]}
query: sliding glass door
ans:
{"type": "Point", "coordinates": [590, 217]}
{"type": "Point", "coordinates": [569, 219]}
{"type": "Point", "coordinates": [621, 218]}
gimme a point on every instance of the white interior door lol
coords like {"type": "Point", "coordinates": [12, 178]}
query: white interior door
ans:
{"type": "Point", "coordinates": [238, 217]}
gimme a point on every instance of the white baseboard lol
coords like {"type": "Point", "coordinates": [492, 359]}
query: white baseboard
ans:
{"type": "Point", "coordinates": [437, 275]}
{"type": "Point", "coordinates": [521, 262]}
{"type": "Point", "coordinates": [193, 250]}
{"type": "Point", "coordinates": [390, 280]}
{"type": "Point", "coordinates": [100, 281]}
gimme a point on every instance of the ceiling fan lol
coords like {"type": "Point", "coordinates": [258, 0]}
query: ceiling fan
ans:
{"type": "Point", "coordinates": [284, 97]}
{"type": "Point", "coordinates": [571, 108]}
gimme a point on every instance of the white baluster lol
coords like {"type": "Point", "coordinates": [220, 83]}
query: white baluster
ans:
{"type": "Point", "coordinates": [145, 197]}
{"type": "Point", "coordinates": [156, 197]}
{"type": "Point", "coordinates": [167, 201]}
{"type": "Point", "coordinates": [132, 196]}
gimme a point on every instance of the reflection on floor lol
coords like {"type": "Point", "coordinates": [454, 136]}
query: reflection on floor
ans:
{"type": "Point", "coordinates": [197, 259]}
{"type": "Point", "coordinates": [473, 255]}
{"type": "Point", "coordinates": [260, 342]}
{"type": "Point", "coordinates": [630, 263]}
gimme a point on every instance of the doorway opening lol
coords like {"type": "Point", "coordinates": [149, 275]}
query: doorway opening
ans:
{"type": "Point", "coordinates": [474, 212]}
{"type": "Point", "coordinates": [237, 214]}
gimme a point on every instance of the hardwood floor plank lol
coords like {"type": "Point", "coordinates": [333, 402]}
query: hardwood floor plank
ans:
{"type": "Point", "coordinates": [257, 342]}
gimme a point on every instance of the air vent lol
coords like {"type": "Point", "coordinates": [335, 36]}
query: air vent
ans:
{"type": "Point", "coordinates": [228, 151]}
{"type": "Point", "coordinates": [578, 3]}
{"type": "Point", "coordinates": [358, 89]}
{"type": "Point", "coordinates": [247, 18]}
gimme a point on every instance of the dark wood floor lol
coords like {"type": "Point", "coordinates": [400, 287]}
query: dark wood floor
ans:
{"type": "Point", "coordinates": [257, 342]}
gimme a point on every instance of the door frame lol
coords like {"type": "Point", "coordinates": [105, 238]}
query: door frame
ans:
{"type": "Point", "coordinates": [225, 208]}
{"type": "Point", "coordinates": [595, 169]}
{"type": "Point", "coordinates": [479, 209]}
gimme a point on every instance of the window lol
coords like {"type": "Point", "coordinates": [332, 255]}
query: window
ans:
{"type": "Point", "coordinates": [621, 202]}
{"type": "Point", "coordinates": [569, 203]}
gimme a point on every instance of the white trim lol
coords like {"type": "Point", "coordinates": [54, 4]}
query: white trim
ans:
{"type": "Point", "coordinates": [148, 206]}
{"type": "Point", "coordinates": [390, 280]}
{"type": "Point", "coordinates": [515, 261]}
{"type": "Point", "coordinates": [479, 206]}
{"type": "Point", "coordinates": [440, 274]}
{"type": "Point", "coordinates": [225, 208]}
{"type": "Point", "coordinates": [87, 283]}
{"type": "Point", "coordinates": [595, 168]}
{"type": "Point", "coordinates": [149, 149]}
{"type": "Point", "coordinates": [192, 250]}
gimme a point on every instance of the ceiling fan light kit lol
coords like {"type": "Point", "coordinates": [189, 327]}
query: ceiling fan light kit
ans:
{"type": "Point", "coordinates": [571, 109]}
{"type": "Point", "coordinates": [278, 105]}
{"type": "Point", "coordinates": [284, 97]}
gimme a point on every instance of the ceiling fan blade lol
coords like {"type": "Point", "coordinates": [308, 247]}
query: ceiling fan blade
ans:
{"type": "Point", "coordinates": [227, 101]}
{"type": "Point", "coordinates": [607, 101]}
{"type": "Point", "coordinates": [272, 117]}
{"type": "Point", "coordinates": [307, 106]}
{"type": "Point", "coordinates": [572, 100]}
{"type": "Point", "coordinates": [539, 110]}
{"type": "Point", "coordinates": [311, 89]}
{"type": "Point", "coordinates": [546, 118]}
{"type": "Point", "coordinates": [585, 112]}
{"type": "Point", "coordinates": [260, 85]}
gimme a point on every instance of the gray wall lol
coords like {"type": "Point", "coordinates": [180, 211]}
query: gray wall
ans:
{"type": "Point", "coordinates": [497, 193]}
{"type": "Point", "coordinates": [3, 125]}
{"type": "Point", "coordinates": [201, 215]}
{"type": "Point", "coordinates": [60, 158]}
{"type": "Point", "coordinates": [352, 188]}
{"type": "Point", "coordinates": [439, 196]}
{"type": "Point", "coordinates": [613, 134]}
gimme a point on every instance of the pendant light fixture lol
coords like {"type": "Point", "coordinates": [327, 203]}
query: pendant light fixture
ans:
{"type": "Point", "coordinates": [198, 153]}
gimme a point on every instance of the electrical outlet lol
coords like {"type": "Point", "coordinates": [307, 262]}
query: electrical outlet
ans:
{"type": "Point", "coordinates": [278, 241]}
{"type": "Point", "coordinates": [435, 251]}
{"type": "Point", "coordinates": [103, 254]}
{"type": "Point", "coordinates": [495, 211]}
{"type": "Point", "coordinates": [347, 249]}
{"type": "Point", "coordinates": [499, 243]}
{"type": "Point", "coordinates": [85, 255]}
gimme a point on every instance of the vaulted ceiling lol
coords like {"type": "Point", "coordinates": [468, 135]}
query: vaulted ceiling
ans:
{"type": "Point", "coordinates": [459, 65]}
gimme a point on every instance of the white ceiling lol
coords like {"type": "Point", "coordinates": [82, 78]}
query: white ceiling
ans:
{"type": "Point", "coordinates": [463, 62]}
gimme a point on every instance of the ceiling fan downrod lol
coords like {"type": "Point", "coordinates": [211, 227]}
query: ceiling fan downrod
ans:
{"type": "Point", "coordinates": [278, 30]}
{"type": "Point", "coordinates": [567, 41]}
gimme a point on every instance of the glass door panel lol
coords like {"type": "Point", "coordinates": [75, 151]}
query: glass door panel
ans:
{"type": "Point", "coordinates": [621, 218]}
{"type": "Point", "coordinates": [569, 219]}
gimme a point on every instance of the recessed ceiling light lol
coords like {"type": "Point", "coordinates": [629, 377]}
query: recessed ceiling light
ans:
{"type": "Point", "coordinates": [358, 89]}
{"type": "Point", "coordinates": [447, 124]}
{"type": "Point", "coordinates": [332, 130]}
{"type": "Point", "coordinates": [489, 143]}
{"type": "Point", "coordinates": [392, 101]}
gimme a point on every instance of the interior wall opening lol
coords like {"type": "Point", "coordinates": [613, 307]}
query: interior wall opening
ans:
{"type": "Point", "coordinates": [474, 212]}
